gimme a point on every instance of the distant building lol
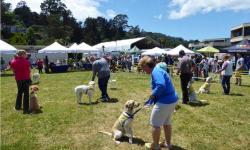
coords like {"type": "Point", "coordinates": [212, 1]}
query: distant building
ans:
{"type": "Point", "coordinates": [217, 43]}
{"type": "Point", "coordinates": [239, 33]}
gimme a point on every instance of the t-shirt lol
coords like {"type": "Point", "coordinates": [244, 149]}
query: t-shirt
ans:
{"type": "Point", "coordinates": [185, 65]}
{"type": "Point", "coordinates": [228, 68]}
{"type": "Point", "coordinates": [101, 67]}
{"type": "Point", "coordinates": [239, 63]}
{"type": "Point", "coordinates": [21, 68]}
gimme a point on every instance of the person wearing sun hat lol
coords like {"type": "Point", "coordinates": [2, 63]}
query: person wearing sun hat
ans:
{"type": "Point", "coordinates": [226, 74]}
{"type": "Point", "coordinates": [21, 68]}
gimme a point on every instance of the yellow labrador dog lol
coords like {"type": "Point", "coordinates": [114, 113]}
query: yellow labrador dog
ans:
{"type": "Point", "coordinates": [85, 89]}
{"type": "Point", "coordinates": [205, 88]}
{"type": "Point", "coordinates": [123, 125]}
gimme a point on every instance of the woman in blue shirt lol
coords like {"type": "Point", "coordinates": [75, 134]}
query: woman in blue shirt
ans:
{"type": "Point", "coordinates": [165, 99]}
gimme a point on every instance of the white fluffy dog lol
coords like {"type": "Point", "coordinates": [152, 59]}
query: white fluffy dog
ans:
{"type": "Point", "coordinates": [205, 88]}
{"type": "Point", "coordinates": [35, 78]}
{"type": "Point", "coordinates": [123, 125]}
{"type": "Point", "coordinates": [85, 89]}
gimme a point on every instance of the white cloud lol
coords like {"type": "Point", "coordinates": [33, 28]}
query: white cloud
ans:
{"type": "Point", "coordinates": [184, 8]}
{"type": "Point", "coordinates": [159, 17]}
{"type": "Point", "coordinates": [110, 13]}
{"type": "Point", "coordinates": [80, 9]}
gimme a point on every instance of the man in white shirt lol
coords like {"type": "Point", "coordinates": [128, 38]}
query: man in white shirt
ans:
{"type": "Point", "coordinates": [239, 68]}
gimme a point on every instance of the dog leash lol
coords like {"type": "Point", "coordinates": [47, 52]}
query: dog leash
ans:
{"type": "Point", "coordinates": [148, 102]}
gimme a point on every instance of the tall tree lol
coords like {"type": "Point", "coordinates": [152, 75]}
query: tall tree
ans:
{"type": "Point", "coordinates": [53, 7]}
{"type": "Point", "coordinates": [23, 13]}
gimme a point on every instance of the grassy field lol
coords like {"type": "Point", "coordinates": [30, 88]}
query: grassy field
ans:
{"type": "Point", "coordinates": [222, 123]}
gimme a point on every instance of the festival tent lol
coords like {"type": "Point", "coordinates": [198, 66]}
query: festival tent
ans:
{"type": "Point", "coordinates": [155, 52]}
{"type": "Point", "coordinates": [73, 47]}
{"type": "Point", "coordinates": [134, 50]}
{"type": "Point", "coordinates": [242, 47]}
{"type": "Point", "coordinates": [55, 48]}
{"type": "Point", "coordinates": [175, 51]}
{"type": "Point", "coordinates": [119, 45]}
{"type": "Point", "coordinates": [85, 48]}
{"type": "Point", "coordinates": [7, 51]}
{"type": "Point", "coordinates": [208, 49]}
{"type": "Point", "coordinates": [54, 52]}
{"type": "Point", "coordinates": [6, 48]}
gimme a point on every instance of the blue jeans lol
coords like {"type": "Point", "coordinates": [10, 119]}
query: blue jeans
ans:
{"type": "Point", "coordinates": [225, 82]}
{"type": "Point", "coordinates": [103, 84]}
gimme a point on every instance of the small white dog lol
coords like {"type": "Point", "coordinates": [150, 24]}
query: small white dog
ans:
{"type": "Point", "coordinates": [85, 89]}
{"type": "Point", "coordinates": [205, 88]}
{"type": "Point", "coordinates": [123, 125]}
{"type": "Point", "coordinates": [35, 78]}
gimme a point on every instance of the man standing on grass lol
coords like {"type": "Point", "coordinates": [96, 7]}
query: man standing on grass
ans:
{"type": "Point", "coordinates": [21, 68]}
{"type": "Point", "coordinates": [101, 67]}
{"type": "Point", "coordinates": [185, 70]}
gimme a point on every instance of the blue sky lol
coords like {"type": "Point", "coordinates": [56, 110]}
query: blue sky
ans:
{"type": "Point", "coordinates": [189, 19]}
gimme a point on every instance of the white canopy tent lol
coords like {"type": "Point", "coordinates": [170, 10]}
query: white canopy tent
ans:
{"type": "Point", "coordinates": [54, 52]}
{"type": "Point", "coordinates": [7, 51]}
{"type": "Point", "coordinates": [6, 48]}
{"type": "Point", "coordinates": [155, 52]}
{"type": "Point", "coordinates": [119, 45]}
{"type": "Point", "coordinates": [73, 47]}
{"type": "Point", "coordinates": [54, 48]}
{"type": "Point", "coordinates": [175, 51]}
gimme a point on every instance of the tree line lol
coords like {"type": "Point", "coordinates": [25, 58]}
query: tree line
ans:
{"type": "Point", "coordinates": [56, 22]}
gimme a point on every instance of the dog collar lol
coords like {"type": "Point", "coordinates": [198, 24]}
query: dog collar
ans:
{"type": "Point", "coordinates": [130, 116]}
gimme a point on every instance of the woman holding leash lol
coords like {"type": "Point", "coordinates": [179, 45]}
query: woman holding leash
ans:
{"type": "Point", "coordinates": [164, 98]}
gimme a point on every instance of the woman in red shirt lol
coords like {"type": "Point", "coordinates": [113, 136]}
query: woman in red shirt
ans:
{"type": "Point", "coordinates": [21, 68]}
{"type": "Point", "coordinates": [39, 64]}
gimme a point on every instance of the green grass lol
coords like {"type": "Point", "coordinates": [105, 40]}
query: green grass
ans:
{"type": "Point", "coordinates": [222, 124]}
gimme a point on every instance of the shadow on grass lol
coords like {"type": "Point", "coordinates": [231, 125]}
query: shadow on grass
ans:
{"type": "Point", "coordinates": [115, 89]}
{"type": "Point", "coordinates": [236, 94]}
{"type": "Point", "coordinates": [175, 147]}
{"type": "Point", "coordinates": [198, 104]}
{"type": "Point", "coordinates": [93, 103]}
{"type": "Point", "coordinates": [112, 100]}
{"type": "Point", "coordinates": [136, 140]}
{"type": "Point", "coordinates": [245, 85]}
{"type": "Point", "coordinates": [7, 75]}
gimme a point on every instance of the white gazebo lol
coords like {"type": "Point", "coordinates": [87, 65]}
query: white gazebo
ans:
{"type": "Point", "coordinates": [155, 52]}
{"type": "Point", "coordinates": [54, 52]}
{"type": "Point", "coordinates": [6, 51]}
{"type": "Point", "coordinates": [6, 48]}
{"type": "Point", "coordinates": [175, 51]}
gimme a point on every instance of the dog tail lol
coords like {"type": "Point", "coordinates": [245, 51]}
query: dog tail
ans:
{"type": "Point", "coordinates": [105, 132]}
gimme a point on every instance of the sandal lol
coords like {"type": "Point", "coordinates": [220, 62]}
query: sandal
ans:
{"type": "Point", "coordinates": [149, 146]}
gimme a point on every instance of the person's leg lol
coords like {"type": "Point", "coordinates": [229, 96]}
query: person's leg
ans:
{"type": "Point", "coordinates": [19, 95]}
{"type": "Point", "coordinates": [228, 84]}
{"type": "Point", "coordinates": [223, 83]}
{"type": "Point", "coordinates": [105, 87]}
{"type": "Point", "coordinates": [101, 87]}
{"type": "Point", "coordinates": [168, 133]}
{"type": "Point", "coordinates": [184, 89]}
{"type": "Point", "coordinates": [156, 132]}
{"type": "Point", "coordinates": [26, 85]}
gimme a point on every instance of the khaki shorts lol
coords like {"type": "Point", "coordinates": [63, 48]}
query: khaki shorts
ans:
{"type": "Point", "coordinates": [162, 114]}
{"type": "Point", "coordinates": [238, 74]}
